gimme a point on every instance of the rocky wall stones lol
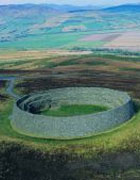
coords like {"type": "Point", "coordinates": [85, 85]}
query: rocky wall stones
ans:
{"type": "Point", "coordinates": [26, 122]}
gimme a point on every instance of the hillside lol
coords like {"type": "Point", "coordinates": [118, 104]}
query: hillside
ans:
{"type": "Point", "coordinates": [127, 7]}
{"type": "Point", "coordinates": [48, 26]}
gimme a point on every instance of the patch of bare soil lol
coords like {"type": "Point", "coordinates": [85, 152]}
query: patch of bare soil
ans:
{"type": "Point", "coordinates": [128, 40]}
{"type": "Point", "coordinates": [106, 37]}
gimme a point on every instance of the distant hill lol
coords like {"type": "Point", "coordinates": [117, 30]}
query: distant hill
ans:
{"type": "Point", "coordinates": [42, 8]}
{"type": "Point", "coordinates": [71, 7]}
{"type": "Point", "coordinates": [126, 7]}
{"type": "Point", "coordinates": [35, 26]}
{"type": "Point", "coordinates": [28, 10]}
{"type": "Point", "coordinates": [31, 9]}
{"type": "Point", "coordinates": [66, 7]}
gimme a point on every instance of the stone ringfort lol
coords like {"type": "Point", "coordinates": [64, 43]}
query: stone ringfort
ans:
{"type": "Point", "coordinates": [25, 119]}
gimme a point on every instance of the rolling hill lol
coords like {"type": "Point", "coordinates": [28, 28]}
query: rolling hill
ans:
{"type": "Point", "coordinates": [46, 26]}
{"type": "Point", "coordinates": [122, 8]}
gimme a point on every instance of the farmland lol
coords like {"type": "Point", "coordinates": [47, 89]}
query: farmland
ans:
{"type": "Point", "coordinates": [67, 28]}
{"type": "Point", "coordinates": [69, 47]}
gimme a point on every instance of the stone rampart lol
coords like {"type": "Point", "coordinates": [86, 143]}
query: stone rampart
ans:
{"type": "Point", "coordinates": [26, 122]}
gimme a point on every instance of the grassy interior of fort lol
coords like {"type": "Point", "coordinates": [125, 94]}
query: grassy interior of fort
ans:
{"type": "Point", "coordinates": [53, 46]}
{"type": "Point", "coordinates": [72, 110]}
{"type": "Point", "coordinates": [110, 76]}
{"type": "Point", "coordinates": [117, 149]}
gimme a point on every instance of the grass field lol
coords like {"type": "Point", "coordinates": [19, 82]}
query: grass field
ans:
{"type": "Point", "coordinates": [118, 139]}
{"type": "Point", "coordinates": [68, 59]}
{"type": "Point", "coordinates": [69, 29]}
{"type": "Point", "coordinates": [111, 71]}
{"type": "Point", "coordinates": [112, 78]}
{"type": "Point", "coordinates": [71, 48]}
{"type": "Point", "coordinates": [72, 110]}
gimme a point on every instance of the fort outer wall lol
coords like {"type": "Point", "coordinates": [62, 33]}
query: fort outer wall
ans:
{"type": "Point", "coordinates": [73, 126]}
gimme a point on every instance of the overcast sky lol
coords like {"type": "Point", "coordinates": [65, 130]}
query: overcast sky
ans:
{"type": "Point", "coordinates": [74, 2]}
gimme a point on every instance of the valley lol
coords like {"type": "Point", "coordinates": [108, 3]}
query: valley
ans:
{"type": "Point", "coordinates": [45, 47]}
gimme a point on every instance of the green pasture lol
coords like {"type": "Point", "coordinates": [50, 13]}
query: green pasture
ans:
{"type": "Point", "coordinates": [126, 136]}
{"type": "Point", "coordinates": [20, 33]}
{"type": "Point", "coordinates": [72, 110]}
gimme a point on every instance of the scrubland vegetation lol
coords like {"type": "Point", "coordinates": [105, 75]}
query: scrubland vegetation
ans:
{"type": "Point", "coordinates": [116, 153]}
{"type": "Point", "coordinates": [97, 48]}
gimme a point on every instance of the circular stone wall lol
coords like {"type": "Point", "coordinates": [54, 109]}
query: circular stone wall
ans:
{"type": "Point", "coordinates": [26, 122]}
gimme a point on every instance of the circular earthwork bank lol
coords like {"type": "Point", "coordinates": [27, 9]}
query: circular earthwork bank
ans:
{"type": "Point", "coordinates": [27, 120]}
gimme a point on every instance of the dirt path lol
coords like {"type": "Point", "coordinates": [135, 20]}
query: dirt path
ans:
{"type": "Point", "coordinates": [10, 86]}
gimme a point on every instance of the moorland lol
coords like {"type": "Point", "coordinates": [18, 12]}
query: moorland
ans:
{"type": "Point", "coordinates": [69, 47]}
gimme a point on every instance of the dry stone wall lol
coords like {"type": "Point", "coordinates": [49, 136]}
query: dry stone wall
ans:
{"type": "Point", "coordinates": [26, 122]}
